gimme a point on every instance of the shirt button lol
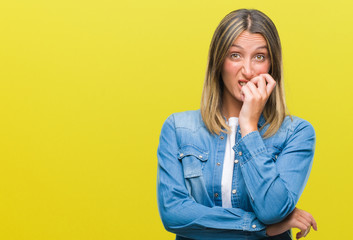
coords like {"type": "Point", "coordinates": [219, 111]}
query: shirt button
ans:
{"type": "Point", "coordinates": [240, 153]}
{"type": "Point", "coordinates": [253, 226]}
{"type": "Point", "coordinates": [218, 164]}
{"type": "Point", "coordinates": [236, 161]}
{"type": "Point", "coordinates": [216, 194]}
{"type": "Point", "coordinates": [234, 191]}
{"type": "Point", "coordinates": [276, 156]}
{"type": "Point", "coordinates": [221, 137]}
{"type": "Point", "coordinates": [200, 156]}
{"type": "Point", "coordinates": [239, 131]}
{"type": "Point", "coordinates": [181, 154]}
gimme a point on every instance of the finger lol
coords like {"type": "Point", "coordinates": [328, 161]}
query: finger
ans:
{"type": "Point", "coordinates": [254, 90]}
{"type": "Point", "coordinates": [309, 218]}
{"type": "Point", "coordinates": [304, 225]}
{"type": "Point", "coordinates": [312, 221]}
{"type": "Point", "coordinates": [242, 95]}
{"type": "Point", "coordinates": [261, 85]}
{"type": "Point", "coordinates": [256, 79]}
{"type": "Point", "coordinates": [299, 234]}
{"type": "Point", "coordinates": [314, 224]}
{"type": "Point", "coordinates": [302, 233]}
{"type": "Point", "coordinates": [301, 223]}
{"type": "Point", "coordinates": [306, 232]}
{"type": "Point", "coordinates": [301, 226]}
{"type": "Point", "coordinates": [271, 83]}
{"type": "Point", "coordinates": [305, 221]}
{"type": "Point", "coordinates": [246, 92]}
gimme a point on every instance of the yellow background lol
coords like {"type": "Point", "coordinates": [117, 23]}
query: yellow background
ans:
{"type": "Point", "coordinates": [85, 87]}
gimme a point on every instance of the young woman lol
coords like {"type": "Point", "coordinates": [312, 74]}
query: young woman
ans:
{"type": "Point", "coordinates": [235, 169]}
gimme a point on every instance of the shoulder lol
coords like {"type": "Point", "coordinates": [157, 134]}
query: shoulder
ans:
{"type": "Point", "coordinates": [188, 119]}
{"type": "Point", "coordinates": [294, 125]}
{"type": "Point", "coordinates": [294, 133]}
{"type": "Point", "coordinates": [188, 129]}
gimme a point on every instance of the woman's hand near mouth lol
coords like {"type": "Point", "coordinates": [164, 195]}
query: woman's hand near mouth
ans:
{"type": "Point", "coordinates": [254, 95]}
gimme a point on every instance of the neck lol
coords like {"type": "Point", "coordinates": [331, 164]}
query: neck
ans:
{"type": "Point", "coordinates": [231, 107]}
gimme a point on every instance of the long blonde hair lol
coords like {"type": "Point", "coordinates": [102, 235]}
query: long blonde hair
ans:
{"type": "Point", "coordinates": [231, 26]}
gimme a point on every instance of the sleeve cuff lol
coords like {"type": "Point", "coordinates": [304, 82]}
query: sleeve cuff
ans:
{"type": "Point", "coordinates": [252, 224]}
{"type": "Point", "coordinates": [249, 146]}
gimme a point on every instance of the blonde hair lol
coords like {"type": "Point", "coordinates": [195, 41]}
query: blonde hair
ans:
{"type": "Point", "coordinates": [227, 31]}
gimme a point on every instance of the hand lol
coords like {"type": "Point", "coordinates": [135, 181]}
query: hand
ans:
{"type": "Point", "coordinates": [255, 95]}
{"type": "Point", "coordinates": [297, 219]}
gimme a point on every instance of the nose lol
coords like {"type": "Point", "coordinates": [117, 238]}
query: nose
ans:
{"type": "Point", "coordinates": [247, 70]}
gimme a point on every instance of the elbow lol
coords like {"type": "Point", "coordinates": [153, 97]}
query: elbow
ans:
{"type": "Point", "coordinates": [176, 216]}
{"type": "Point", "coordinates": [167, 225]}
{"type": "Point", "coordinates": [167, 221]}
{"type": "Point", "coordinates": [274, 212]}
{"type": "Point", "coordinates": [171, 223]}
{"type": "Point", "coordinates": [170, 216]}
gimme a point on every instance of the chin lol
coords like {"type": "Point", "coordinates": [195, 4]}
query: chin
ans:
{"type": "Point", "coordinates": [238, 98]}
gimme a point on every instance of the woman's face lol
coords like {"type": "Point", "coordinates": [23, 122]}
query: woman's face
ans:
{"type": "Point", "coordinates": [247, 58]}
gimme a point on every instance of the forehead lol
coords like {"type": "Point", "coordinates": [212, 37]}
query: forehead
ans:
{"type": "Point", "coordinates": [247, 39]}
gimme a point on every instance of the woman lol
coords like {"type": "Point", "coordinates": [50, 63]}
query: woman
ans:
{"type": "Point", "coordinates": [235, 169]}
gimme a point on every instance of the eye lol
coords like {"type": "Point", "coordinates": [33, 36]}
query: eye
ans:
{"type": "Point", "coordinates": [260, 57]}
{"type": "Point", "coordinates": [234, 55]}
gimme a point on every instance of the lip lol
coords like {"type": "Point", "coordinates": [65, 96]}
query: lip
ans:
{"type": "Point", "coordinates": [241, 80]}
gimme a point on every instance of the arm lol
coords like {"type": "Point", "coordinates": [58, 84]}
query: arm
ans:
{"type": "Point", "coordinates": [275, 187]}
{"type": "Point", "coordinates": [297, 219]}
{"type": "Point", "coordinates": [180, 214]}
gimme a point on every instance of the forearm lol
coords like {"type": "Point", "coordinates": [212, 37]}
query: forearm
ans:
{"type": "Point", "coordinates": [274, 185]}
{"type": "Point", "coordinates": [181, 215]}
{"type": "Point", "coordinates": [179, 211]}
{"type": "Point", "coordinates": [270, 198]}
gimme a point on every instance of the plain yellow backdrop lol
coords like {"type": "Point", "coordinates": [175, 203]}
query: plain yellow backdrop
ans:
{"type": "Point", "coordinates": [85, 87]}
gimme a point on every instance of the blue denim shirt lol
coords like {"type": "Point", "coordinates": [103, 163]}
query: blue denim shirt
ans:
{"type": "Point", "coordinates": [269, 177]}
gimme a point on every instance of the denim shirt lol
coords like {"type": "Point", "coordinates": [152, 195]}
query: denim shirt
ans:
{"type": "Point", "coordinates": [269, 176]}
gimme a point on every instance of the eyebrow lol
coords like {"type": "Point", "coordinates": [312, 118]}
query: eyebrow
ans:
{"type": "Point", "coordinates": [235, 45]}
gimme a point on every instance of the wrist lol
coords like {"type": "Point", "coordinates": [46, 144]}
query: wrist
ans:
{"type": "Point", "coordinates": [248, 129]}
{"type": "Point", "coordinates": [269, 230]}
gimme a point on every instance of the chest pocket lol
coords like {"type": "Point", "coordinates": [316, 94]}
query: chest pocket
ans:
{"type": "Point", "coordinates": [193, 160]}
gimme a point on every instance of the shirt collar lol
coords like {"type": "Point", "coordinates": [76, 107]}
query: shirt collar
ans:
{"type": "Point", "coordinates": [261, 121]}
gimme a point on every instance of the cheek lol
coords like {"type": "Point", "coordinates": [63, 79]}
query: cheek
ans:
{"type": "Point", "coordinates": [230, 68]}
{"type": "Point", "coordinates": [263, 68]}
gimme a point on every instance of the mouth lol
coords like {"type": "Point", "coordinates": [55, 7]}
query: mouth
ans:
{"type": "Point", "coordinates": [242, 83]}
